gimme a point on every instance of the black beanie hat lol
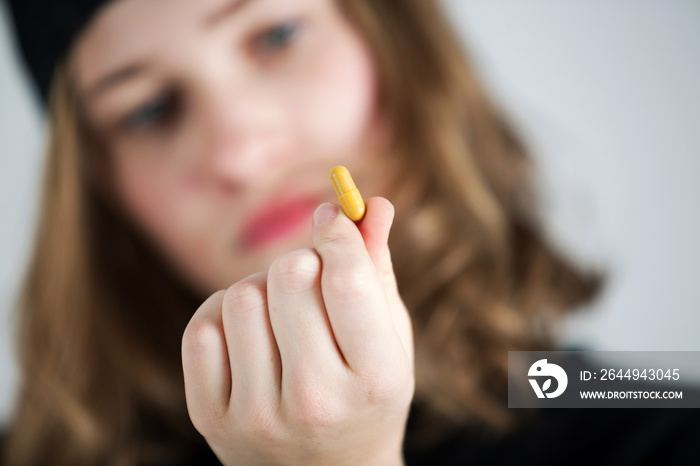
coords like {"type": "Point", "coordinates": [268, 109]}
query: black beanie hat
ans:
{"type": "Point", "coordinates": [45, 31]}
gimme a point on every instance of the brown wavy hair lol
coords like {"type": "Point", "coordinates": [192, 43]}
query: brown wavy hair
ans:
{"type": "Point", "coordinates": [102, 316]}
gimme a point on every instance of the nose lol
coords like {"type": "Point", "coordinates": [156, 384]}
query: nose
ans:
{"type": "Point", "coordinates": [241, 135]}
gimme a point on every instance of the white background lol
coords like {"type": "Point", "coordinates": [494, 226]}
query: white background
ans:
{"type": "Point", "coordinates": [607, 94]}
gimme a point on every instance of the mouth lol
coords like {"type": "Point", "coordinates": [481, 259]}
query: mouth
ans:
{"type": "Point", "coordinates": [276, 221]}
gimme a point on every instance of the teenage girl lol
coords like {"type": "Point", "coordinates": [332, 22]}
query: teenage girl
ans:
{"type": "Point", "coordinates": [196, 295]}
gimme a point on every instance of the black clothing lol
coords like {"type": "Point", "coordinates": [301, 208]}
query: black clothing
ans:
{"type": "Point", "coordinates": [580, 436]}
{"type": "Point", "coordinates": [623, 436]}
{"type": "Point", "coordinates": [600, 436]}
{"type": "Point", "coordinates": [568, 436]}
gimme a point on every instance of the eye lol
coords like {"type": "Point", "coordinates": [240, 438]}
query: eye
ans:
{"type": "Point", "coordinates": [154, 113]}
{"type": "Point", "coordinates": [277, 37]}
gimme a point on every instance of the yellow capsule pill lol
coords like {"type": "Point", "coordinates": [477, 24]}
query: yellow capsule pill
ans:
{"type": "Point", "coordinates": [348, 195]}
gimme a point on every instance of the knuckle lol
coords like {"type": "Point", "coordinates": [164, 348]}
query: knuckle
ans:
{"type": "Point", "coordinates": [198, 335]}
{"type": "Point", "coordinates": [258, 420]}
{"type": "Point", "coordinates": [202, 325]}
{"type": "Point", "coordinates": [312, 406]}
{"type": "Point", "coordinates": [296, 272]}
{"type": "Point", "coordinates": [245, 296]}
{"type": "Point", "coordinates": [388, 387]}
{"type": "Point", "coordinates": [348, 282]}
{"type": "Point", "coordinates": [336, 238]}
{"type": "Point", "coordinates": [386, 271]}
{"type": "Point", "coordinates": [208, 421]}
{"type": "Point", "coordinates": [313, 411]}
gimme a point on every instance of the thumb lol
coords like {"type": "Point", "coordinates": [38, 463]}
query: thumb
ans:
{"type": "Point", "coordinates": [375, 227]}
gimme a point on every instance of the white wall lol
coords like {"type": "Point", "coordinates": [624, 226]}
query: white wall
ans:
{"type": "Point", "coordinates": [608, 93]}
{"type": "Point", "coordinates": [20, 157]}
{"type": "Point", "coordinates": [608, 96]}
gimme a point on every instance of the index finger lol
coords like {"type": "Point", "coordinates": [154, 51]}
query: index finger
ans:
{"type": "Point", "coordinates": [354, 294]}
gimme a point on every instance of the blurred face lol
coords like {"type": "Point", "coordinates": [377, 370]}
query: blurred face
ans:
{"type": "Point", "coordinates": [222, 120]}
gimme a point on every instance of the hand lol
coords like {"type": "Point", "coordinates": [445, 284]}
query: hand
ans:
{"type": "Point", "coordinates": [310, 363]}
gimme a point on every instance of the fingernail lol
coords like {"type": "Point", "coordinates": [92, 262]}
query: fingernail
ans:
{"type": "Point", "coordinates": [323, 213]}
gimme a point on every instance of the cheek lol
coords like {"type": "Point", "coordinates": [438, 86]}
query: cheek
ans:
{"type": "Point", "coordinates": [162, 203]}
{"type": "Point", "coordinates": [337, 99]}
{"type": "Point", "coordinates": [173, 208]}
{"type": "Point", "coordinates": [145, 189]}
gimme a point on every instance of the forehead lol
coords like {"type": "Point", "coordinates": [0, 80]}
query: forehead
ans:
{"type": "Point", "coordinates": [132, 29]}
{"type": "Point", "coordinates": [128, 31]}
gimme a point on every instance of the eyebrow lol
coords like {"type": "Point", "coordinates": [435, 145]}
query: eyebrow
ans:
{"type": "Point", "coordinates": [228, 10]}
{"type": "Point", "coordinates": [135, 69]}
{"type": "Point", "coordinates": [115, 78]}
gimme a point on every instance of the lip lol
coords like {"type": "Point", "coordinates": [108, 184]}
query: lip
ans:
{"type": "Point", "coordinates": [277, 220]}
